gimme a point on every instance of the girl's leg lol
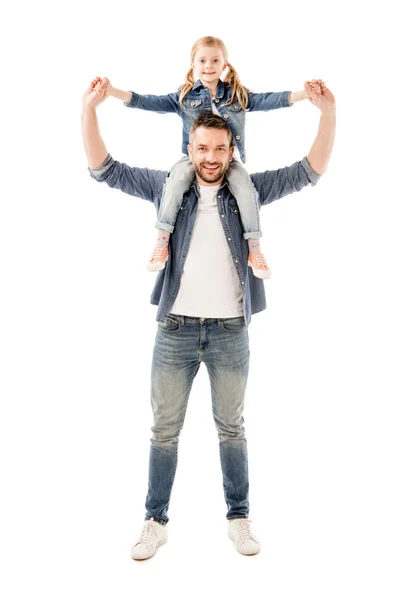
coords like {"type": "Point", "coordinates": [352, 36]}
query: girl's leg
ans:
{"type": "Point", "coordinates": [246, 195]}
{"type": "Point", "coordinates": [178, 181]}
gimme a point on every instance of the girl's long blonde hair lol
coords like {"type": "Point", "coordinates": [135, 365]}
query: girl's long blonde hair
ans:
{"type": "Point", "coordinates": [239, 92]}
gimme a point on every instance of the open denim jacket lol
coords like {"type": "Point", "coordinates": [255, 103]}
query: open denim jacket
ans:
{"type": "Point", "coordinates": [148, 184]}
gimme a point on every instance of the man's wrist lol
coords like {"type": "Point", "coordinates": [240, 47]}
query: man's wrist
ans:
{"type": "Point", "coordinates": [329, 111]}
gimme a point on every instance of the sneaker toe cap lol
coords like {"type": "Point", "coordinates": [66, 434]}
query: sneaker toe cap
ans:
{"type": "Point", "coordinates": [249, 546]}
{"type": "Point", "coordinates": [142, 551]}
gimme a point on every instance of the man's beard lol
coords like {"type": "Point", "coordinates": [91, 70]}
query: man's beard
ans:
{"type": "Point", "coordinates": [210, 177]}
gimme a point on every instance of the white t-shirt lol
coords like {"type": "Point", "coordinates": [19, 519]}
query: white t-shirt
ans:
{"type": "Point", "coordinates": [210, 286]}
{"type": "Point", "coordinates": [213, 107]}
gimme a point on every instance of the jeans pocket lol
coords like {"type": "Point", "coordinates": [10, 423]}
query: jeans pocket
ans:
{"type": "Point", "coordinates": [233, 325]}
{"type": "Point", "coordinates": [171, 324]}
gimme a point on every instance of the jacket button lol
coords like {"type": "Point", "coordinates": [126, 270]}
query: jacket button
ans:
{"type": "Point", "coordinates": [193, 104]}
{"type": "Point", "coordinates": [242, 282]}
{"type": "Point", "coordinates": [181, 207]}
{"type": "Point", "coordinates": [216, 100]}
{"type": "Point", "coordinates": [238, 137]}
{"type": "Point", "coordinates": [236, 260]}
{"type": "Point", "coordinates": [236, 107]}
{"type": "Point", "coordinates": [226, 116]}
{"type": "Point", "coordinates": [222, 215]}
{"type": "Point", "coordinates": [229, 239]}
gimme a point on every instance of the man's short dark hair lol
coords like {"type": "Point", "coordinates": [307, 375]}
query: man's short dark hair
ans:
{"type": "Point", "coordinates": [211, 121]}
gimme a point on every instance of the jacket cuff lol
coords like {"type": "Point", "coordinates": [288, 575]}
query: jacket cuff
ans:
{"type": "Point", "coordinates": [312, 176]}
{"type": "Point", "coordinates": [134, 101]}
{"type": "Point", "coordinates": [98, 172]}
{"type": "Point", "coordinates": [285, 99]}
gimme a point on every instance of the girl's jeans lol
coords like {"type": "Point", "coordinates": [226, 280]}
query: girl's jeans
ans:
{"type": "Point", "coordinates": [181, 344]}
{"type": "Point", "coordinates": [240, 184]}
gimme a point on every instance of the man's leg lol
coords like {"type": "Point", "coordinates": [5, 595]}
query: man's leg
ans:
{"type": "Point", "coordinates": [227, 361]}
{"type": "Point", "coordinates": [174, 367]}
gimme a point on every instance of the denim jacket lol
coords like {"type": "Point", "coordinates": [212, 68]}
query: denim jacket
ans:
{"type": "Point", "coordinates": [148, 184]}
{"type": "Point", "coordinates": [198, 101]}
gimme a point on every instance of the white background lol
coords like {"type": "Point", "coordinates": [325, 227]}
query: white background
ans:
{"type": "Point", "coordinates": [77, 328]}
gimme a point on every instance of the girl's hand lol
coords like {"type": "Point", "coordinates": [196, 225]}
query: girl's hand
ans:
{"type": "Point", "coordinates": [325, 101]}
{"type": "Point", "coordinates": [94, 94]}
{"type": "Point", "coordinates": [315, 85]}
{"type": "Point", "coordinates": [104, 85]}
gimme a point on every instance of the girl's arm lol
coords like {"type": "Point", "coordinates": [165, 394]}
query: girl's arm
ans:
{"type": "Point", "coordinates": [274, 100]}
{"type": "Point", "coordinates": [303, 94]}
{"type": "Point", "coordinates": [160, 104]}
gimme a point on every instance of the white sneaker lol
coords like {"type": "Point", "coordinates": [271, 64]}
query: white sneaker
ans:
{"type": "Point", "coordinates": [245, 541]}
{"type": "Point", "coordinates": [153, 535]}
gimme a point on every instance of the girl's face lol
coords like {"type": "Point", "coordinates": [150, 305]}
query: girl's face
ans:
{"type": "Point", "coordinates": [208, 64]}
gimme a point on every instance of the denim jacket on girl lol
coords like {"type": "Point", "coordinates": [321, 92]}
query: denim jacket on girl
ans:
{"type": "Point", "coordinates": [198, 101]}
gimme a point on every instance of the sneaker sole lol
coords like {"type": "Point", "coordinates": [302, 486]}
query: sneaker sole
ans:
{"type": "Point", "coordinates": [147, 557]}
{"type": "Point", "coordinates": [263, 274]}
{"type": "Point", "coordinates": [156, 266]}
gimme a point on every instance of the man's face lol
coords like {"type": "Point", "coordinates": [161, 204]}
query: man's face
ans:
{"type": "Point", "coordinates": [210, 154]}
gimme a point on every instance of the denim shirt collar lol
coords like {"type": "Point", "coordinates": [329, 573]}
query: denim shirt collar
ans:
{"type": "Point", "coordinates": [195, 186]}
{"type": "Point", "coordinates": [220, 88]}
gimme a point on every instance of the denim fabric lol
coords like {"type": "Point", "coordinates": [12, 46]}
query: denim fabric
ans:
{"type": "Point", "coordinates": [182, 344]}
{"type": "Point", "coordinates": [149, 184]}
{"type": "Point", "coordinates": [179, 180]}
{"type": "Point", "coordinates": [198, 101]}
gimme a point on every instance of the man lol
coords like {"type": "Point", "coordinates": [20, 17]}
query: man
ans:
{"type": "Point", "coordinates": [205, 296]}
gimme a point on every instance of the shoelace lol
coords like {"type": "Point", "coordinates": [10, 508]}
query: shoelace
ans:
{"type": "Point", "coordinates": [147, 532]}
{"type": "Point", "coordinates": [260, 260]}
{"type": "Point", "coordinates": [244, 528]}
{"type": "Point", "coordinates": [157, 252]}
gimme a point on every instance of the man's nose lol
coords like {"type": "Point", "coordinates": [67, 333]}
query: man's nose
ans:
{"type": "Point", "coordinates": [210, 156]}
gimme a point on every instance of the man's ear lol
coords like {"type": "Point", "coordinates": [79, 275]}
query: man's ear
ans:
{"type": "Point", "coordinates": [231, 151]}
{"type": "Point", "coordinates": [189, 149]}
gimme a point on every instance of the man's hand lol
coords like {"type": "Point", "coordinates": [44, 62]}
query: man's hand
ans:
{"type": "Point", "coordinates": [325, 101]}
{"type": "Point", "coordinates": [95, 93]}
{"type": "Point", "coordinates": [105, 86]}
{"type": "Point", "coordinates": [315, 85]}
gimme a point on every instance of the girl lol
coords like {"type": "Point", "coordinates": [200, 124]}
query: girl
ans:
{"type": "Point", "coordinates": [205, 91]}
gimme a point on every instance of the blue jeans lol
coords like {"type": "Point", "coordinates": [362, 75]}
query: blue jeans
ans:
{"type": "Point", "coordinates": [239, 182]}
{"type": "Point", "coordinates": [181, 344]}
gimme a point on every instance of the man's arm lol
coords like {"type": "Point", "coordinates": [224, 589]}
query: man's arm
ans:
{"type": "Point", "coordinates": [95, 148]}
{"type": "Point", "coordinates": [272, 185]}
{"type": "Point", "coordinates": [143, 183]}
{"type": "Point", "coordinates": [321, 149]}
